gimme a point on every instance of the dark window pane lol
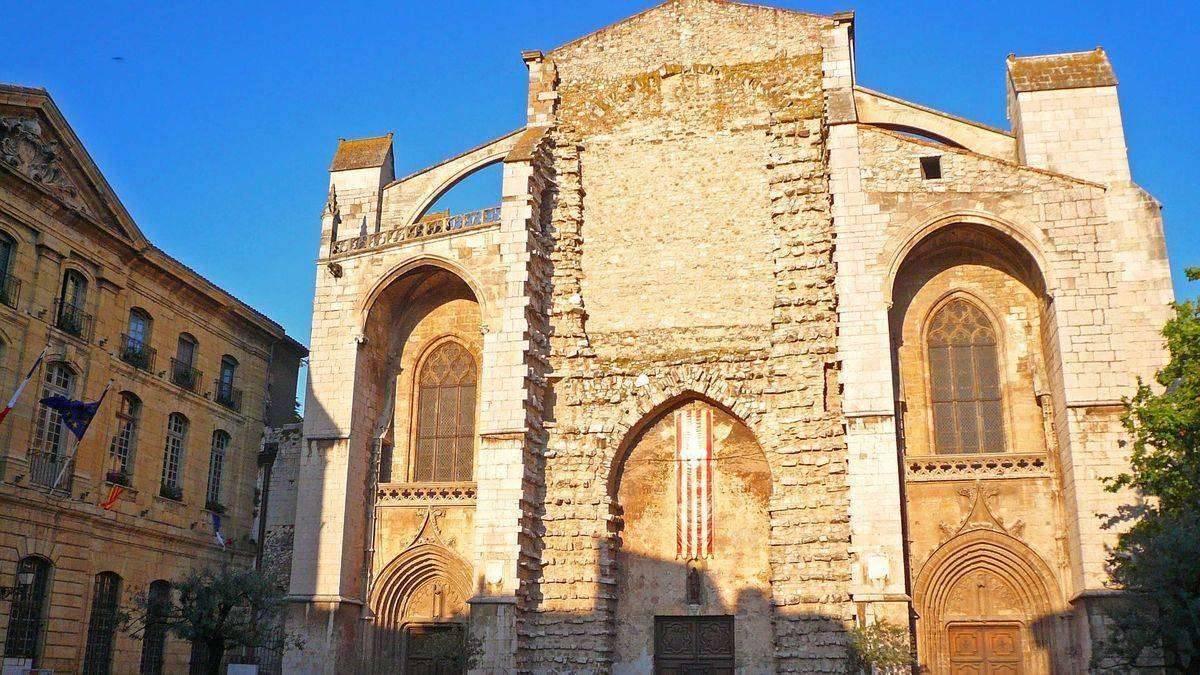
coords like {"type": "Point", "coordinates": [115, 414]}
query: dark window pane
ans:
{"type": "Point", "coordinates": [964, 375]}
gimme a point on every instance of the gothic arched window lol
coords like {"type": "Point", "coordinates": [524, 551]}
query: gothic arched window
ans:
{"type": "Point", "coordinates": [964, 378]}
{"type": "Point", "coordinates": [445, 439]}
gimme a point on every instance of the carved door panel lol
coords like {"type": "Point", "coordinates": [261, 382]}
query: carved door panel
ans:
{"type": "Point", "coordinates": [985, 649]}
{"type": "Point", "coordinates": [434, 649]}
{"type": "Point", "coordinates": [693, 645]}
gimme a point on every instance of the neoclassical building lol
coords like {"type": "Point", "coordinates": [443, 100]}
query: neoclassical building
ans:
{"type": "Point", "coordinates": [746, 354]}
{"type": "Point", "coordinates": [194, 376]}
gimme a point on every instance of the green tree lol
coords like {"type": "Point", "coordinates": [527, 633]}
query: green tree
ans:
{"type": "Point", "coordinates": [880, 647]}
{"type": "Point", "coordinates": [218, 610]}
{"type": "Point", "coordinates": [1157, 560]}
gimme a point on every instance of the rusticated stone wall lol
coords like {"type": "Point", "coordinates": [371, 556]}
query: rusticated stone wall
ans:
{"type": "Point", "coordinates": [692, 258]}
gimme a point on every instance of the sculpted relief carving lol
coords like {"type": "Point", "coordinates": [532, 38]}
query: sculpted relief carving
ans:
{"type": "Point", "coordinates": [24, 147]}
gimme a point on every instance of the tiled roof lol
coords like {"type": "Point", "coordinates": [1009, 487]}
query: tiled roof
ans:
{"type": "Point", "coordinates": [361, 153]}
{"type": "Point", "coordinates": [1061, 71]}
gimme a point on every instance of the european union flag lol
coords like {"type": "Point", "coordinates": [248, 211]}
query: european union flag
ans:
{"type": "Point", "coordinates": [76, 415]}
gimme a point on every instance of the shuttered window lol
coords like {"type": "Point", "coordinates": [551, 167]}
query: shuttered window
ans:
{"type": "Point", "coordinates": [964, 376]}
{"type": "Point", "coordinates": [445, 415]}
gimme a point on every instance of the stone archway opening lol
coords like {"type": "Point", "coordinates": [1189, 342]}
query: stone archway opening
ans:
{"type": "Point", "coordinates": [987, 602]}
{"type": "Point", "coordinates": [420, 369]}
{"type": "Point", "coordinates": [691, 488]}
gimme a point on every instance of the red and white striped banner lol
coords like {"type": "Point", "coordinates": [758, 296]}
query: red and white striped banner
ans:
{"type": "Point", "coordinates": [693, 483]}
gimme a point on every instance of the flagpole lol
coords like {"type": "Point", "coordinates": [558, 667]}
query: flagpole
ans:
{"type": "Point", "coordinates": [79, 439]}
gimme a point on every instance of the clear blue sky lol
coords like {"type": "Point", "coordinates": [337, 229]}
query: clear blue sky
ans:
{"type": "Point", "coordinates": [218, 123]}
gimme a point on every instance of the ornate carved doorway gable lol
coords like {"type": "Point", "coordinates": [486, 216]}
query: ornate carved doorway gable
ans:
{"type": "Point", "coordinates": [986, 602]}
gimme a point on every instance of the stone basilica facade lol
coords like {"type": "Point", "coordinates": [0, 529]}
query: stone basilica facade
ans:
{"type": "Point", "coordinates": [746, 355]}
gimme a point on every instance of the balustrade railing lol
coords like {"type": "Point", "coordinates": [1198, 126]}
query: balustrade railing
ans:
{"type": "Point", "coordinates": [420, 229]}
{"type": "Point", "coordinates": [137, 353]}
{"type": "Point", "coordinates": [184, 375]}
{"type": "Point", "coordinates": [45, 467]}
{"type": "Point", "coordinates": [72, 319]}
{"type": "Point", "coordinates": [227, 395]}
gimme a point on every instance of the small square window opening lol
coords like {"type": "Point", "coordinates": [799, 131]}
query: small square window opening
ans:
{"type": "Point", "coordinates": [931, 167]}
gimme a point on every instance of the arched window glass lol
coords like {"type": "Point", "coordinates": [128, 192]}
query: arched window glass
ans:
{"type": "Point", "coordinates": [10, 288]}
{"type": "Point", "coordinates": [124, 439]}
{"type": "Point", "coordinates": [74, 289]}
{"type": "Point", "coordinates": [185, 349]}
{"type": "Point", "coordinates": [228, 370]}
{"type": "Point", "coordinates": [183, 372]}
{"type": "Point", "coordinates": [445, 415]}
{"type": "Point", "coordinates": [216, 468]}
{"type": "Point", "coordinates": [102, 625]}
{"type": "Point", "coordinates": [51, 437]}
{"type": "Point", "coordinates": [135, 343]}
{"type": "Point", "coordinates": [27, 612]}
{"type": "Point", "coordinates": [177, 429]}
{"type": "Point", "coordinates": [154, 636]}
{"type": "Point", "coordinates": [139, 325]}
{"type": "Point", "coordinates": [8, 247]}
{"type": "Point", "coordinates": [226, 394]}
{"type": "Point", "coordinates": [70, 315]}
{"type": "Point", "coordinates": [964, 377]}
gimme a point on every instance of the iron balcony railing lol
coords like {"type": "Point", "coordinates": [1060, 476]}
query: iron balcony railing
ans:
{"type": "Point", "coordinates": [45, 467]}
{"type": "Point", "coordinates": [172, 492]}
{"type": "Point", "coordinates": [137, 353]}
{"type": "Point", "coordinates": [227, 395]}
{"type": "Point", "coordinates": [10, 291]}
{"type": "Point", "coordinates": [72, 319]}
{"type": "Point", "coordinates": [420, 229]}
{"type": "Point", "coordinates": [184, 375]}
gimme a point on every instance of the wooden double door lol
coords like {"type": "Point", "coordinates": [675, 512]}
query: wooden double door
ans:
{"type": "Point", "coordinates": [985, 648]}
{"type": "Point", "coordinates": [693, 645]}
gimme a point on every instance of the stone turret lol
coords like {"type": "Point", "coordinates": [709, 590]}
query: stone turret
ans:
{"type": "Point", "coordinates": [1066, 117]}
{"type": "Point", "coordinates": [361, 168]}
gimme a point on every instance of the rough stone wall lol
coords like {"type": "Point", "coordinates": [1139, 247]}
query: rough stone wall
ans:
{"type": "Point", "coordinates": [678, 83]}
{"type": "Point", "coordinates": [735, 581]}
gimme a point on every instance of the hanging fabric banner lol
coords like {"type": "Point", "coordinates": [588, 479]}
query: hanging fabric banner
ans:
{"type": "Point", "coordinates": [693, 482]}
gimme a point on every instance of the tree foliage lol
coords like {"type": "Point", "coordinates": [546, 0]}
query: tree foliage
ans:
{"type": "Point", "coordinates": [1157, 560]}
{"type": "Point", "coordinates": [880, 647]}
{"type": "Point", "coordinates": [218, 610]}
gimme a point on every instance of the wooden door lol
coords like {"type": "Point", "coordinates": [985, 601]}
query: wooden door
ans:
{"type": "Point", "coordinates": [693, 645]}
{"type": "Point", "coordinates": [985, 649]}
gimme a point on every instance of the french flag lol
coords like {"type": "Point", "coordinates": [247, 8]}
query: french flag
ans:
{"type": "Point", "coordinates": [21, 387]}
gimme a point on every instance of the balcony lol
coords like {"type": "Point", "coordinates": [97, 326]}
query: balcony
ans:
{"type": "Point", "coordinates": [227, 395]}
{"type": "Point", "coordinates": [10, 291]}
{"type": "Point", "coordinates": [72, 319]}
{"type": "Point", "coordinates": [44, 468]}
{"type": "Point", "coordinates": [172, 492]}
{"type": "Point", "coordinates": [137, 353]}
{"type": "Point", "coordinates": [184, 375]}
{"type": "Point", "coordinates": [419, 230]}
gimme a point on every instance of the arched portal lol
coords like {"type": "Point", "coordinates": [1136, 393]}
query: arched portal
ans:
{"type": "Point", "coordinates": [693, 572]}
{"type": "Point", "coordinates": [975, 354]}
{"type": "Point", "coordinates": [420, 610]}
{"type": "Point", "coordinates": [420, 368]}
{"type": "Point", "coordinates": [427, 311]}
{"type": "Point", "coordinates": [986, 600]}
